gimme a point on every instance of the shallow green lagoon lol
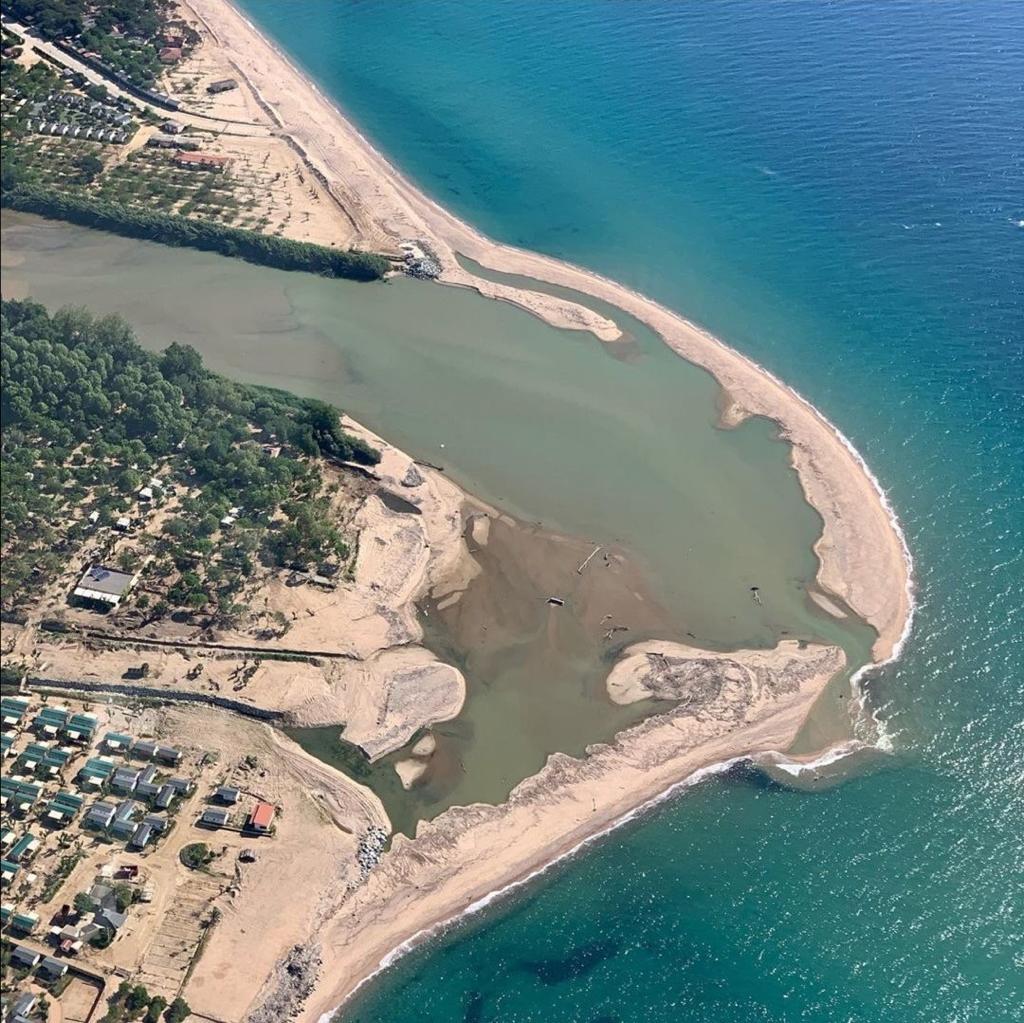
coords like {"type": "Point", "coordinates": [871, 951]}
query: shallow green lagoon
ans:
{"type": "Point", "coordinates": [550, 426]}
{"type": "Point", "coordinates": [544, 423]}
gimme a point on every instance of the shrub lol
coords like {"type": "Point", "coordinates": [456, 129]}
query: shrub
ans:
{"type": "Point", "coordinates": [196, 855]}
{"type": "Point", "coordinates": [171, 229]}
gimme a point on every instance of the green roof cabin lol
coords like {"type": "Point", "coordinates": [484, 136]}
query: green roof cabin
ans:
{"type": "Point", "coordinates": [12, 710]}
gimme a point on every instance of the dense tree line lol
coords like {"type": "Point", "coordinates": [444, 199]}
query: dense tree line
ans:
{"type": "Point", "coordinates": [88, 415]}
{"type": "Point", "coordinates": [171, 229]}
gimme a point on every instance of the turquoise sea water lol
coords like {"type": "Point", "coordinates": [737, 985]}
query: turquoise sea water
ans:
{"type": "Point", "coordinates": [837, 190]}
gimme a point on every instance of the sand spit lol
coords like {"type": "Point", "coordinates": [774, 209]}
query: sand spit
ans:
{"type": "Point", "coordinates": [746, 703]}
{"type": "Point", "coordinates": [693, 678]}
{"type": "Point", "coordinates": [468, 852]}
{"type": "Point", "coordinates": [863, 558]}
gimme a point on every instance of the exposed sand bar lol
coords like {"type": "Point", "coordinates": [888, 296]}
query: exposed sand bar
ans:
{"type": "Point", "coordinates": [863, 558]}
{"type": "Point", "coordinates": [469, 852]}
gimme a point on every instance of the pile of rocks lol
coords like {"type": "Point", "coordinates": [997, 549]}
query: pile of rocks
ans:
{"type": "Point", "coordinates": [294, 980]}
{"type": "Point", "coordinates": [413, 477]}
{"type": "Point", "coordinates": [370, 850]}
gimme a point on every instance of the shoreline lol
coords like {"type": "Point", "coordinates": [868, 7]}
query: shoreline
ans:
{"type": "Point", "coordinates": [863, 556]}
{"type": "Point", "coordinates": [470, 856]}
{"type": "Point", "coordinates": [794, 766]}
{"type": "Point", "coordinates": [436, 930]}
{"type": "Point", "coordinates": [448, 871]}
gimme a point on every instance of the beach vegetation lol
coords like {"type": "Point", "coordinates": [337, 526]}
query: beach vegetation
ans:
{"type": "Point", "coordinates": [188, 232]}
{"type": "Point", "coordinates": [196, 856]}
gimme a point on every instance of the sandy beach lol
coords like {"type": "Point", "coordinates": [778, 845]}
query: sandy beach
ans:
{"type": "Point", "coordinates": [385, 686]}
{"type": "Point", "coordinates": [746, 705]}
{"type": "Point", "coordinates": [469, 852]}
{"type": "Point", "coordinates": [863, 558]}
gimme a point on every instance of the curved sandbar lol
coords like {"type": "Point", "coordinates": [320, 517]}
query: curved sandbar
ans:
{"type": "Point", "coordinates": [470, 852]}
{"type": "Point", "coordinates": [862, 555]}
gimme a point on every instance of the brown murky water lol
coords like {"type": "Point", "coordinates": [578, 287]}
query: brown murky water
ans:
{"type": "Point", "coordinates": [616, 448]}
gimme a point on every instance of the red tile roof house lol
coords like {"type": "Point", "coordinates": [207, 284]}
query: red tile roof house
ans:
{"type": "Point", "coordinates": [261, 818]}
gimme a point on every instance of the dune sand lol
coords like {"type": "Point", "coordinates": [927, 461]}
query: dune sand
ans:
{"type": "Point", "coordinates": [730, 705]}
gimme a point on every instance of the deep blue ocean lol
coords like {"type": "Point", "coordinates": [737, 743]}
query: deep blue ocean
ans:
{"type": "Point", "coordinates": [837, 189]}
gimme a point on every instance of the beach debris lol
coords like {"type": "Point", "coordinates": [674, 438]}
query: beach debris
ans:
{"type": "Point", "coordinates": [370, 849]}
{"type": "Point", "coordinates": [413, 477]}
{"type": "Point", "coordinates": [419, 260]}
{"type": "Point", "coordinates": [293, 982]}
{"type": "Point", "coordinates": [587, 560]}
{"type": "Point", "coordinates": [556, 601]}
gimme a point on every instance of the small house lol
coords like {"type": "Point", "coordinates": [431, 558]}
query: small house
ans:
{"type": "Point", "coordinates": [146, 790]}
{"type": "Point", "coordinates": [24, 923]}
{"type": "Point", "coordinates": [63, 807]}
{"type": "Point", "coordinates": [23, 1005]}
{"type": "Point", "coordinates": [214, 818]}
{"type": "Point", "coordinates": [262, 817]}
{"type": "Point", "coordinates": [99, 816]}
{"type": "Point", "coordinates": [104, 587]}
{"type": "Point", "coordinates": [125, 780]}
{"type": "Point", "coordinates": [51, 720]}
{"type": "Point", "coordinates": [52, 969]}
{"type": "Point", "coordinates": [141, 837]}
{"type": "Point", "coordinates": [222, 85]}
{"type": "Point", "coordinates": [12, 710]}
{"type": "Point", "coordinates": [111, 919]}
{"type": "Point", "coordinates": [23, 849]}
{"type": "Point", "coordinates": [82, 727]}
{"type": "Point", "coordinates": [25, 958]}
{"type": "Point", "coordinates": [117, 741]}
{"type": "Point", "coordinates": [122, 825]}
{"type": "Point", "coordinates": [143, 749]}
{"type": "Point", "coordinates": [201, 161]}
{"type": "Point", "coordinates": [95, 772]}
{"type": "Point", "coordinates": [227, 795]}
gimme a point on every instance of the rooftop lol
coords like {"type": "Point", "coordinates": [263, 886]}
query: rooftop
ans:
{"type": "Point", "coordinates": [262, 816]}
{"type": "Point", "coordinates": [101, 583]}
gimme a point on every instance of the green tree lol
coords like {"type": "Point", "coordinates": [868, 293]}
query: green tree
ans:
{"type": "Point", "coordinates": [177, 1011]}
{"type": "Point", "coordinates": [84, 903]}
{"type": "Point", "coordinates": [137, 1000]}
{"type": "Point", "coordinates": [156, 1006]}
